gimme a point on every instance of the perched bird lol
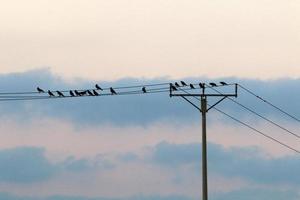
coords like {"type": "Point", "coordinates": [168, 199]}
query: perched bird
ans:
{"type": "Point", "coordinates": [112, 91]}
{"type": "Point", "coordinates": [223, 83]}
{"type": "Point", "coordinates": [192, 86]}
{"type": "Point", "coordinates": [51, 94]}
{"type": "Point", "coordinates": [90, 93]}
{"type": "Point", "coordinates": [60, 94]}
{"type": "Point", "coordinates": [173, 88]}
{"type": "Point", "coordinates": [72, 94]}
{"type": "Point", "coordinates": [83, 93]}
{"type": "Point", "coordinates": [95, 93]}
{"type": "Point", "coordinates": [40, 90]}
{"type": "Point", "coordinates": [213, 84]}
{"type": "Point", "coordinates": [176, 84]}
{"type": "Point", "coordinates": [98, 87]}
{"type": "Point", "coordinates": [77, 93]}
{"type": "Point", "coordinates": [183, 83]}
{"type": "Point", "coordinates": [144, 89]}
{"type": "Point", "coordinates": [202, 85]}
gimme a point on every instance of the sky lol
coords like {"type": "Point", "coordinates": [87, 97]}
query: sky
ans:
{"type": "Point", "coordinates": [147, 147]}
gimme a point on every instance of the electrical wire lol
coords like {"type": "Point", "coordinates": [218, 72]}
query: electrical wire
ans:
{"type": "Point", "coordinates": [250, 127]}
{"type": "Point", "coordinates": [269, 103]}
{"type": "Point", "coordinates": [259, 115]}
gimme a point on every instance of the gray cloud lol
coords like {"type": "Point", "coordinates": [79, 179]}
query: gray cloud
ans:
{"type": "Point", "coordinates": [25, 164]}
{"type": "Point", "coordinates": [247, 163]}
{"type": "Point", "coordinates": [142, 110]}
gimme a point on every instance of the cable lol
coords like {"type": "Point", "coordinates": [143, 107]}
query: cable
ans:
{"type": "Point", "coordinates": [257, 131]}
{"type": "Point", "coordinates": [135, 92]}
{"type": "Point", "coordinates": [269, 103]}
{"type": "Point", "coordinates": [261, 116]}
{"type": "Point", "coordinates": [250, 127]}
{"type": "Point", "coordinates": [106, 88]}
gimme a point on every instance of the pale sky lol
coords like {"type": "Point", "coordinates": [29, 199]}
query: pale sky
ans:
{"type": "Point", "coordinates": [100, 39]}
{"type": "Point", "coordinates": [147, 147]}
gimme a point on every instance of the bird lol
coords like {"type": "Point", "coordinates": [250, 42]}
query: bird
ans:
{"type": "Point", "coordinates": [202, 85]}
{"type": "Point", "coordinates": [90, 93]}
{"type": "Point", "coordinates": [183, 83]}
{"type": "Point", "coordinates": [40, 90]}
{"type": "Point", "coordinates": [98, 87]}
{"type": "Point", "coordinates": [83, 93]}
{"type": "Point", "coordinates": [60, 94]}
{"type": "Point", "coordinates": [213, 84]}
{"type": "Point", "coordinates": [112, 91]}
{"type": "Point", "coordinates": [95, 93]}
{"type": "Point", "coordinates": [172, 87]}
{"type": "Point", "coordinates": [72, 93]}
{"type": "Point", "coordinates": [51, 94]}
{"type": "Point", "coordinates": [144, 89]}
{"type": "Point", "coordinates": [77, 93]}
{"type": "Point", "coordinates": [223, 83]}
{"type": "Point", "coordinates": [192, 86]}
{"type": "Point", "coordinates": [176, 84]}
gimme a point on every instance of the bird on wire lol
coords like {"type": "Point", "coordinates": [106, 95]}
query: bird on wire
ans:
{"type": "Point", "coordinates": [72, 93]}
{"type": "Point", "coordinates": [213, 84]}
{"type": "Point", "coordinates": [223, 83]}
{"type": "Point", "coordinates": [95, 93]}
{"type": "Point", "coordinates": [83, 93]}
{"type": "Point", "coordinates": [98, 87]}
{"type": "Point", "coordinates": [144, 90]}
{"type": "Point", "coordinates": [90, 93]}
{"type": "Point", "coordinates": [51, 94]}
{"type": "Point", "coordinates": [183, 83]}
{"type": "Point", "coordinates": [202, 85]}
{"type": "Point", "coordinates": [192, 86]}
{"type": "Point", "coordinates": [172, 87]}
{"type": "Point", "coordinates": [77, 93]}
{"type": "Point", "coordinates": [60, 94]}
{"type": "Point", "coordinates": [176, 84]}
{"type": "Point", "coordinates": [112, 91]}
{"type": "Point", "coordinates": [40, 90]}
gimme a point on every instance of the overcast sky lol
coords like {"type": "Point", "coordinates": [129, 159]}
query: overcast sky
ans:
{"type": "Point", "coordinates": [102, 39]}
{"type": "Point", "coordinates": [147, 147]}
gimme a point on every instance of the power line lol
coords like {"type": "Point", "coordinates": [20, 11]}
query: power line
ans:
{"type": "Point", "coordinates": [261, 116]}
{"type": "Point", "coordinates": [250, 127]}
{"type": "Point", "coordinates": [257, 131]}
{"type": "Point", "coordinates": [269, 103]}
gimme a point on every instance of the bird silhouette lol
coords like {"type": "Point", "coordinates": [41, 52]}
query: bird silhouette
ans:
{"type": "Point", "coordinates": [72, 93]}
{"type": "Point", "coordinates": [77, 93]}
{"type": "Point", "coordinates": [90, 93]}
{"type": "Point", "coordinates": [60, 94]}
{"type": "Point", "coordinates": [82, 93]}
{"type": "Point", "coordinates": [176, 84]}
{"type": "Point", "coordinates": [202, 85]}
{"type": "Point", "coordinates": [112, 91]}
{"type": "Point", "coordinates": [51, 94]}
{"type": "Point", "coordinates": [95, 93]}
{"type": "Point", "coordinates": [144, 89]}
{"type": "Point", "coordinates": [183, 83]}
{"type": "Point", "coordinates": [40, 90]}
{"type": "Point", "coordinates": [173, 88]}
{"type": "Point", "coordinates": [98, 87]}
{"type": "Point", "coordinates": [192, 86]}
{"type": "Point", "coordinates": [213, 84]}
{"type": "Point", "coordinates": [223, 83]}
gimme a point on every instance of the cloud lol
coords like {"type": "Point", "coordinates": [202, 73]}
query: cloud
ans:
{"type": "Point", "coordinates": [249, 163]}
{"type": "Point", "coordinates": [141, 110]}
{"type": "Point", "coordinates": [258, 194]}
{"type": "Point", "coordinates": [25, 165]}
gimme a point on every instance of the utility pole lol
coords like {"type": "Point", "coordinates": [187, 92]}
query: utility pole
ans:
{"type": "Point", "coordinates": [180, 92]}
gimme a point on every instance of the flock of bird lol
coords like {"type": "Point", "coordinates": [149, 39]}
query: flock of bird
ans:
{"type": "Point", "coordinates": [98, 89]}
{"type": "Point", "coordinates": [192, 86]}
